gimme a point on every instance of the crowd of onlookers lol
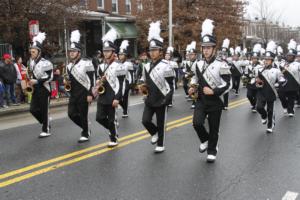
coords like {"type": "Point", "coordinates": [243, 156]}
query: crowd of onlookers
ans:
{"type": "Point", "coordinates": [13, 79]}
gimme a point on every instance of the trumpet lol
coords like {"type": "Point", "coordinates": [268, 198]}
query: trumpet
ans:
{"type": "Point", "coordinates": [67, 82]}
{"type": "Point", "coordinates": [29, 88]}
{"type": "Point", "coordinates": [195, 95]}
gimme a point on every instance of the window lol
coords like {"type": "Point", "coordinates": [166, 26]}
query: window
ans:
{"type": "Point", "coordinates": [114, 6]}
{"type": "Point", "coordinates": [100, 4]}
{"type": "Point", "coordinates": [139, 6]}
{"type": "Point", "coordinates": [128, 6]}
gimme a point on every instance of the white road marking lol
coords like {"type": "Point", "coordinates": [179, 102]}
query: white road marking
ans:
{"type": "Point", "coordinates": [290, 195]}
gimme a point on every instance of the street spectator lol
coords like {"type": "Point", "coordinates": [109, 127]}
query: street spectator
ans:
{"type": "Point", "coordinates": [97, 59]}
{"type": "Point", "coordinates": [9, 79]}
{"type": "Point", "coordinates": [58, 77]}
{"type": "Point", "coordinates": [21, 80]}
{"type": "Point", "coordinates": [1, 86]}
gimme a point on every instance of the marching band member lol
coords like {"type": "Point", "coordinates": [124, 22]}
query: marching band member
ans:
{"type": "Point", "coordinates": [170, 75]}
{"type": "Point", "coordinates": [250, 73]}
{"type": "Point", "coordinates": [211, 81]}
{"type": "Point", "coordinates": [224, 56]}
{"type": "Point", "coordinates": [298, 60]}
{"type": "Point", "coordinates": [186, 70]}
{"type": "Point", "coordinates": [288, 92]}
{"type": "Point", "coordinates": [192, 64]}
{"type": "Point", "coordinates": [236, 70]}
{"type": "Point", "coordinates": [109, 88]}
{"type": "Point", "coordinates": [40, 74]}
{"type": "Point", "coordinates": [79, 80]}
{"type": "Point", "coordinates": [156, 89]}
{"type": "Point", "coordinates": [129, 78]}
{"type": "Point", "coordinates": [265, 82]}
{"type": "Point", "coordinates": [279, 61]}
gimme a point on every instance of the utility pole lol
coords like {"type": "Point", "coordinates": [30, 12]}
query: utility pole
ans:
{"type": "Point", "coordinates": [170, 24]}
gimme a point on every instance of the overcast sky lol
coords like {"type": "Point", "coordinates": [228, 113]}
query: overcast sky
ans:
{"type": "Point", "coordinates": [289, 9]}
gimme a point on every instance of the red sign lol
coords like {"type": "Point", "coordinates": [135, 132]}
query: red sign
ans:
{"type": "Point", "coordinates": [33, 28]}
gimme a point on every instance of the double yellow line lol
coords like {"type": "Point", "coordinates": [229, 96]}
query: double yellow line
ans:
{"type": "Point", "coordinates": [19, 175]}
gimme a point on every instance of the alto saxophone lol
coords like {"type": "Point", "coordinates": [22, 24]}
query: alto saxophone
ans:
{"type": "Point", "coordinates": [29, 88]}
{"type": "Point", "coordinates": [67, 82]}
{"type": "Point", "coordinates": [100, 85]}
{"type": "Point", "coordinates": [143, 88]}
{"type": "Point", "coordinates": [195, 95]}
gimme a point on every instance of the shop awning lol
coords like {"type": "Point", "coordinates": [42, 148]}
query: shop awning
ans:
{"type": "Point", "coordinates": [125, 30]}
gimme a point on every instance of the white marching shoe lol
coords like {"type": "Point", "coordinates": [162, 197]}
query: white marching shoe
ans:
{"type": "Point", "coordinates": [84, 138]}
{"type": "Point", "coordinates": [264, 121]}
{"type": "Point", "coordinates": [44, 134]}
{"type": "Point", "coordinates": [112, 144]}
{"type": "Point", "coordinates": [211, 158]}
{"type": "Point", "coordinates": [159, 149]}
{"type": "Point", "coordinates": [291, 114]}
{"type": "Point", "coordinates": [269, 130]}
{"type": "Point", "coordinates": [203, 147]}
{"type": "Point", "coordinates": [154, 139]}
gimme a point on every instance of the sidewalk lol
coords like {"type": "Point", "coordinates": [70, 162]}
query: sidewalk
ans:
{"type": "Point", "coordinates": [25, 107]}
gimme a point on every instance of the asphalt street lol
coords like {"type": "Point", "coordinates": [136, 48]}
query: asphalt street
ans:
{"type": "Point", "coordinates": [250, 165]}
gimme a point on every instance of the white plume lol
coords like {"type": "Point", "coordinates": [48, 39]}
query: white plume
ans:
{"type": "Point", "coordinates": [124, 44]}
{"type": "Point", "coordinates": [237, 50]}
{"type": "Point", "coordinates": [111, 35]}
{"type": "Point", "coordinates": [75, 36]}
{"type": "Point", "coordinates": [245, 51]}
{"type": "Point", "coordinates": [188, 47]}
{"type": "Point", "coordinates": [298, 48]}
{"type": "Point", "coordinates": [271, 46]}
{"type": "Point", "coordinates": [231, 51]}
{"type": "Point", "coordinates": [40, 37]}
{"type": "Point", "coordinates": [193, 45]}
{"type": "Point", "coordinates": [279, 50]}
{"type": "Point", "coordinates": [154, 32]}
{"type": "Point", "coordinates": [170, 49]}
{"type": "Point", "coordinates": [257, 48]}
{"type": "Point", "coordinates": [207, 27]}
{"type": "Point", "coordinates": [226, 43]}
{"type": "Point", "coordinates": [292, 44]}
{"type": "Point", "coordinates": [262, 51]}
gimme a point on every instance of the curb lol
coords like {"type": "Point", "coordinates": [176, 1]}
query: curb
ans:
{"type": "Point", "coordinates": [22, 109]}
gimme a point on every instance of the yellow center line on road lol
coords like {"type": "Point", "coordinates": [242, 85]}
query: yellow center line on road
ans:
{"type": "Point", "coordinates": [177, 123]}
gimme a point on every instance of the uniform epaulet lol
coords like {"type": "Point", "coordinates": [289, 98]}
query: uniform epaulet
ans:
{"type": "Point", "coordinates": [164, 61]}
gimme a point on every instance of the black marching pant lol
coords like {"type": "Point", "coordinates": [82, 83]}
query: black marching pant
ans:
{"type": "Point", "coordinates": [106, 117]}
{"type": "Point", "coordinates": [251, 95]}
{"type": "Point", "coordinates": [39, 106]}
{"type": "Point", "coordinates": [78, 113]}
{"type": "Point", "coordinates": [226, 96]}
{"type": "Point", "coordinates": [266, 114]}
{"type": "Point", "coordinates": [298, 97]}
{"type": "Point", "coordinates": [161, 120]}
{"type": "Point", "coordinates": [214, 118]}
{"type": "Point", "coordinates": [236, 80]}
{"type": "Point", "coordinates": [185, 85]}
{"type": "Point", "coordinates": [287, 99]}
{"type": "Point", "coordinates": [124, 100]}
